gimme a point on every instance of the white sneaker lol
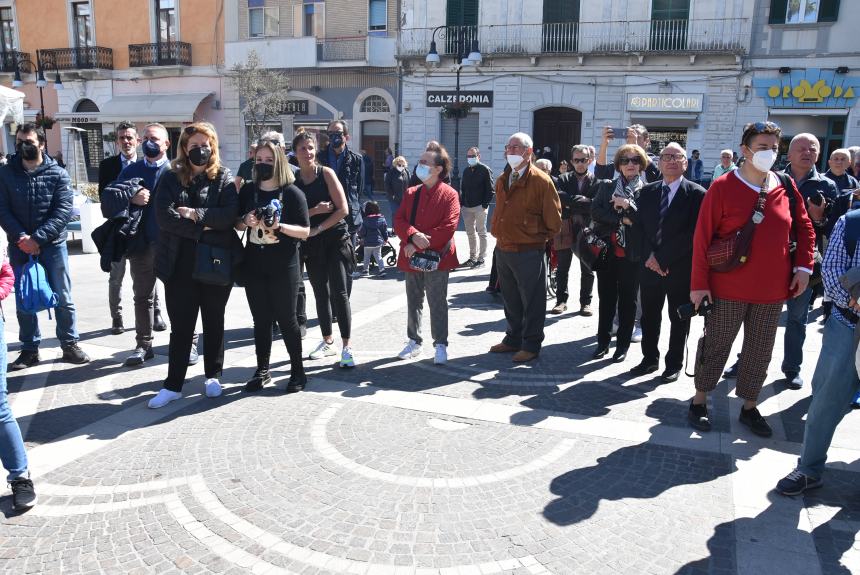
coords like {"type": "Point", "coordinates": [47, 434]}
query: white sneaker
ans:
{"type": "Point", "coordinates": [637, 335]}
{"type": "Point", "coordinates": [213, 387]}
{"type": "Point", "coordinates": [441, 357]}
{"type": "Point", "coordinates": [412, 349]}
{"type": "Point", "coordinates": [324, 349]}
{"type": "Point", "coordinates": [346, 358]}
{"type": "Point", "coordinates": [163, 397]}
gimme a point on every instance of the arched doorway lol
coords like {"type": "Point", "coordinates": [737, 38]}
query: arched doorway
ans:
{"type": "Point", "coordinates": [374, 134]}
{"type": "Point", "coordinates": [560, 128]}
{"type": "Point", "coordinates": [91, 138]}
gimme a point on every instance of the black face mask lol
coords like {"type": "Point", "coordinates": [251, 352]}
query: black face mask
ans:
{"type": "Point", "coordinates": [264, 171]}
{"type": "Point", "coordinates": [151, 149]}
{"type": "Point", "coordinates": [199, 156]}
{"type": "Point", "coordinates": [28, 151]}
{"type": "Point", "coordinates": [336, 140]}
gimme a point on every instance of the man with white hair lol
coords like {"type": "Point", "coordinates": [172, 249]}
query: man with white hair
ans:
{"type": "Point", "coordinates": [855, 160]}
{"type": "Point", "coordinates": [725, 166]}
{"type": "Point", "coordinates": [839, 164]}
{"type": "Point", "coordinates": [820, 194]}
{"type": "Point", "coordinates": [527, 215]}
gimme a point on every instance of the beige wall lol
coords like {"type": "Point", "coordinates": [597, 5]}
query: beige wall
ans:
{"type": "Point", "coordinates": [344, 18]}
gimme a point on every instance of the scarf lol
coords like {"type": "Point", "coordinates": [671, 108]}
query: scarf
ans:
{"type": "Point", "coordinates": [629, 190]}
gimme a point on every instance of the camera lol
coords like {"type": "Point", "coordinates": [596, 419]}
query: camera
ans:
{"type": "Point", "coordinates": [269, 213]}
{"type": "Point", "coordinates": [817, 198]}
{"type": "Point", "coordinates": [688, 310]}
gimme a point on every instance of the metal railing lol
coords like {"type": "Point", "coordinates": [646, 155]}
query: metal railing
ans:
{"type": "Point", "coordinates": [9, 60]}
{"type": "Point", "coordinates": [730, 35]}
{"type": "Point", "coordinates": [159, 54]}
{"type": "Point", "coordinates": [90, 57]}
{"type": "Point", "coordinates": [342, 49]}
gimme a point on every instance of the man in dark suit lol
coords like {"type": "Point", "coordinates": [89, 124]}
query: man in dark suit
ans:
{"type": "Point", "coordinates": [665, 223]}
{"type": "Point", "coordinates": [109, 169]}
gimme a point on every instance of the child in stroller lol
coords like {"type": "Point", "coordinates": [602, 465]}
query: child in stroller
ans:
{"type": "Point", "coordinates": [373, 244]}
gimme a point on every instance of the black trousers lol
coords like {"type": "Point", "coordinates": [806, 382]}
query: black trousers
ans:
{"type": "Point", "coordinates": [617, 284]}
{"type": "Point", "coordinates": [185, 297]}
{"type": "Point", "coordinates": [272, 280]}
{"type": "Point", "coordinates": [329, 276]}
{"type": "Point", "coordinates": [654, 291]}
{"type": "Point", "coordinates": [562, 274]}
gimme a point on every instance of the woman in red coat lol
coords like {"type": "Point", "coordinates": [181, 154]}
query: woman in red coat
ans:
{"type": "Point", "coordinates": [425, 224]}
{"type": "Point", "coordinates": [751, 294]}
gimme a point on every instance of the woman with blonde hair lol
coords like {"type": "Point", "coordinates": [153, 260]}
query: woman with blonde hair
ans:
{"type": "Point", "coordinates": [396, 182]}
{"type": "Point", "coordinates": [275, 215]}
{"type": "Point", "coordinates": [196, 206]}
{"type": "Point", "coordinates": [613, 211]}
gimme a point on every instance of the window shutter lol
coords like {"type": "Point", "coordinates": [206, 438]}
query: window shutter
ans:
{"type": "Point", "coordinates": [555, 11]}
{"type": "Point", "coordinates": [778, 9]}
{"type": "Point", "coordinates": [828, 10]}
{"type": "Point", "coordinates": [298, 21]}
{"type": "Point", "coordinates": [462, 13]}
{"type": "Point", "coordinates": [273, 18]}
{"type": "Point", "coordinates": [319, 21]}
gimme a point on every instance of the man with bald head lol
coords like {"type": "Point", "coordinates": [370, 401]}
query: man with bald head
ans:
{"type": "Point", "coordinates": [840, 164]}
{"type": "Point", "coordinates": [666, 221]}
{"type": "Point", "coordinates": [820, 194]}
{"type": "Point", "coordinates": [527, 216]}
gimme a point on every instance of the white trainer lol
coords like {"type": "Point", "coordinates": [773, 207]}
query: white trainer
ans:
{"type": "Point", "coordinates": [412, 350]}
{"type": "Point", "coordinates": [163, 397]}
{"type": "Point", "coordinates": [324, 349]}
{"type": "Point", "coordinates": [213, 387]}
{"type": "Point", "coordinates": [637, 335]}
{"type": "Point", "coordinates": [346, 357]}
{"type": "Point", "coordinates": [441, 357]}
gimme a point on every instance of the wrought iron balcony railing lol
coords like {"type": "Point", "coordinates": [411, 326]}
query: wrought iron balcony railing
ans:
{"type": "Point", "coordinates": [726, 35]}
{"type": "Point", "coordinates": [342, 49]}
{"type": "Point", "coordinates": [159, 54]}
{"type": "Point", "coordinates": [9, 60]}
{"type": "Point", "coordinates": [86, 58]}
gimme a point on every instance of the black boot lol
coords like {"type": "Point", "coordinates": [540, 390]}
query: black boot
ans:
{"type": "Point", "coordinates": [261, 378]}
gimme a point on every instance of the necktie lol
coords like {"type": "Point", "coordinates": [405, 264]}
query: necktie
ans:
{"type": "Point", "coordinates": [664, 207]}
{"type": "Point", "coordinates": [514, 177]}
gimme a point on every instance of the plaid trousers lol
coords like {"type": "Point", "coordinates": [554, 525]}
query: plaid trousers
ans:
{"type": "Point", "coordinates": [760, 321]}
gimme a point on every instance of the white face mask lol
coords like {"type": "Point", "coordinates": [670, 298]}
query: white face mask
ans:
{"type": "Point", "coordinates": [514, 161]}
{"type": "Point", "coordinates": [763, 160]}
{"type": "Point", "coordinates": [398, 168]}
{"type": "Point", "coordinates": [423, 172]}
{"type": "Point", "coordinates": [472, 161]}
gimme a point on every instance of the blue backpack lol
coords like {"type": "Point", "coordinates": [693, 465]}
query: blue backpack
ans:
{"type": "Point", "coordinates": [33, 293]}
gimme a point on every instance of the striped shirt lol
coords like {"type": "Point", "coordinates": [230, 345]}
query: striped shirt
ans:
{"type": "Point", "coordinates": [836, 262]}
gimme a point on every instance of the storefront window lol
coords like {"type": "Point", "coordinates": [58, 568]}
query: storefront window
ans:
{"type": "Point", "coordinates": [660, 138]}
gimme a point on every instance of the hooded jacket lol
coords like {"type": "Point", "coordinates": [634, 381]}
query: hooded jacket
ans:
{"type": "Point", "coordinates": [37, 203]}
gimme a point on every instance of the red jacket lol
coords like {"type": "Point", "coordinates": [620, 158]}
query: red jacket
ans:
{"type": "Point", "coordinates": [437, 217]}
{"type": "Point", "coordinates": [767, 273]}
{"type": "Point", "coordinates": [7, 280]}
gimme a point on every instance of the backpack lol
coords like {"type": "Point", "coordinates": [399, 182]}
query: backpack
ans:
{"type": "Point", "coordinates": [33, 293]}
{"type": "Point", "coordinates": [852, 231]}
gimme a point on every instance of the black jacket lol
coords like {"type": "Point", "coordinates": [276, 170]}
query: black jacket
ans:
{"type": "Point", "coordinates": [576, 201]}
{"type": "Point", "coordinates": [606, 220]}
{"type": "Point", "coordinates": [810, 186]}
{"type": "Point", "coordinates": [477, 186]}
{"type": "Point", "coordinates": [37, 203]}
{"type": "Point", "coordinates": [396, 183]}
{"type": "Point", "coordinates": [217, 206]}
{"type": "Point", "coordinates": [109, 170]}
{"type": "Point", "coordinates": [675, 252]}
{"type": "Point", "coordinates": [351, 177]}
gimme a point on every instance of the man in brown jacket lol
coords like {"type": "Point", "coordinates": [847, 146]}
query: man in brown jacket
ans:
{"type": "Point", "coordinates": [527, 215]}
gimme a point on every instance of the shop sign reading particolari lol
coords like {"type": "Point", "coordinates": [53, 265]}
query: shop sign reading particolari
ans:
{"type": "Point", "coordinates": [475, 98]}
{"type": "Point", "coordinates": [664, 102]}
{"type": "Point", "coordinates": [813, 88]}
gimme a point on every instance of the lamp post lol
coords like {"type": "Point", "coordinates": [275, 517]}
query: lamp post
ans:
{"type": "Point", "coordinates": [26, 65]}
{"type": "Point", "coordinates": [472, 59]}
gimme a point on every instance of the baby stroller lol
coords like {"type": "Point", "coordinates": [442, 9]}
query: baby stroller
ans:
{"type": "Point", "coordinates": [389, 254]}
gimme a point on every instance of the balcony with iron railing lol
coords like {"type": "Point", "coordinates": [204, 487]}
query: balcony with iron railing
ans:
{"type": "Point", "coordinates": [159, 54]}
{"type": "Point", "coordinates": [86, 58]}
{"type": "Point", "coordinates": [724, 35]}
{"type": "Point", "coordinates": [9, 60]}
{"type": "Point", "coordinates": [345, 49]}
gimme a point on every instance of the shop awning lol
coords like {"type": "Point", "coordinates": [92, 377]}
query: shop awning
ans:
{"type": "Point", "coordinates": [665, 119]}
{"type": "Point", "coordinates": [151, 108]}
{"type": "Point", "coordinates": [11, 105]}
{"type": "Point", "coordinates": [808, 111]}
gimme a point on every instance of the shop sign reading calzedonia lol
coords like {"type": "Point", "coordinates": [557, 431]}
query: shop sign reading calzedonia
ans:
{"type": "Point", "coordinates": [474, 98]}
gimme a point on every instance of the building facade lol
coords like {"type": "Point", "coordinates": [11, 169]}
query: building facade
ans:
{"type": "Point", "coordinates": [339, 56]}
{"type": "Point", "coordinates": [138, 60]}
{"type": "Point", "coordinates": [692, 71]}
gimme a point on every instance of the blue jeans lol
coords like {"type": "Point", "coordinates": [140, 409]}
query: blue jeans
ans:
{"type": "Point", "coordinates": [12, 452]}
{"type": "Point", "coordinates": [834, 385]}
{"type": "Point", "coordinates": [795, 331]}
{"type": "Point", "coordinates": [55, 260]}
{"type": "Point", "coordinates": [394, 205]}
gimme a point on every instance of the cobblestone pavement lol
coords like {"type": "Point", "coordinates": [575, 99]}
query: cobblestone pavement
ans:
{"type": "Point", "coordinates": [565, 465]}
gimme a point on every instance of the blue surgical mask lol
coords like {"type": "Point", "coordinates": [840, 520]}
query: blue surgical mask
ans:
{"type": "Point", "coordinates": [151, 150]}
{"type": "Point", "coordinates": [423, 172]}
{"type": "Point", "coordinates": [472, 161]}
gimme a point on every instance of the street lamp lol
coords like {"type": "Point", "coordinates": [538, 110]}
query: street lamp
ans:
{"type": "Point", "coordinates": [26, 65]}
{"type": "Point", "coordinates": [472, 58]}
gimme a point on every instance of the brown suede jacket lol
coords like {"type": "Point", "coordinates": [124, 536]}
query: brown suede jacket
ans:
{"type": "Point", "coordinates": [528, 214]}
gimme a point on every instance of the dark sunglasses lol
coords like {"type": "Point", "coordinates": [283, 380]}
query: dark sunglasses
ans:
{"type": "Point", "coordinates": [635, 160]}
{"type": "Point", "coordinates": [191, 130]}
{"type": "Point", "coordinates": [580, 160]}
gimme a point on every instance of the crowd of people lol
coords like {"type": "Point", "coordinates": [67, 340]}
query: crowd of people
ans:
{"type": "Point", "coordinates": [640, 224]}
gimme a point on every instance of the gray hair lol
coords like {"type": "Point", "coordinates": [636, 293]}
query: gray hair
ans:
{"type": "Point", "coordinates": [843, 151]}
{"type": "Point", "coordinates": [544, 165]}
{"type": "Point", "coordinates": [674, 145]}
{"type": "Point", "coordinates": [523, 138]}
{"type": "Point", "coordinates": [855, 151]}
{"type": "Point", "coordinates": [275, 137]}
{"type": "Point", "coordinates": [728, 151]}
{"type": "Point", "coordinates": [805, 136]}
{"type": "Point", "coordinates": [580, 148]}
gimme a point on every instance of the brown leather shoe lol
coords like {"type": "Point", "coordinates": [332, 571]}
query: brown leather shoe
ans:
{"type": "Point", "coordinates": [502, 348]}
{"type": "Point", "coordinates": [558, 309]}
{"type": "Point", "coordinates": [523, 355]}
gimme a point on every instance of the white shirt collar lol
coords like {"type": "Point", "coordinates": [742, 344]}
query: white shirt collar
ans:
{"type": "Point", "coordinates": [157, 164]}
{"type": "Point", "coordinates": [673, 188]}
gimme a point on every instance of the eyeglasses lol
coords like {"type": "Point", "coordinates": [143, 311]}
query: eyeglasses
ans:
{"type": "Point", "coordinates": [580, 160]}
{"type": "Point", "coordinates": [634, 160]}
{"type": "Point", "coordinates": [672, 157]}
{"type": "Point", "coordinates": [333, 134]}
{"type": "Point", "coordinates": [471, 156]}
